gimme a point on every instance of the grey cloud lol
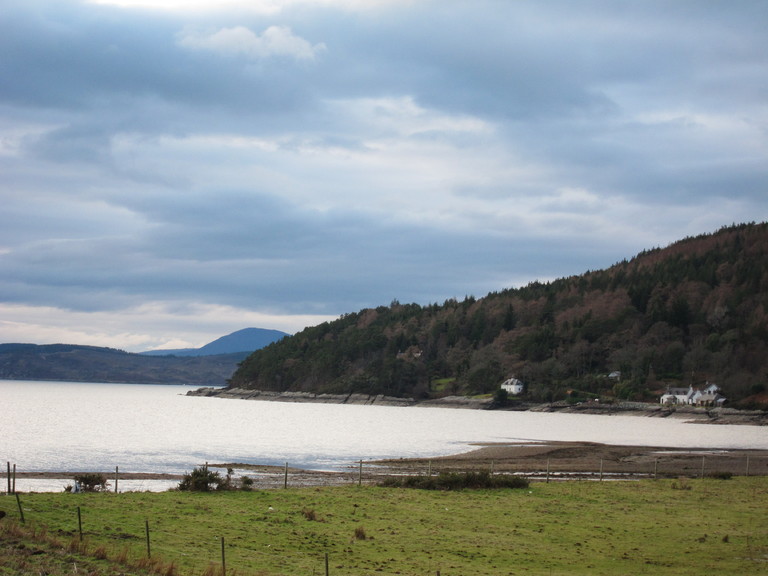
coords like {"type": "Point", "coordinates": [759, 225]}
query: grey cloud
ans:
{"type": "Point", "coordinates": [271, 255]}
{"type": "Point", "coordinates": [105, 61]}
{"type": "Point", "coordinates": [430, 150]}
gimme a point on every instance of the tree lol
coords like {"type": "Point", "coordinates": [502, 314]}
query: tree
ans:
{"type": "Point", "coordinates": [510, 321]}
{"type": "Point", "coordinates": [680, 313]}
{"type": "Point", "coordinates": [501, 397]}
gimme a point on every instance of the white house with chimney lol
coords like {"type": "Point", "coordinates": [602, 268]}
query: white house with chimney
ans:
{"type": "Point", "coordinates": [513, 386]}
{"type": "Point", "coordinates": [707, 396]}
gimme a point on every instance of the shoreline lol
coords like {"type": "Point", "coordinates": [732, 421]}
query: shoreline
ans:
{"type": "Point", "coordinates": [561, 460]}
{"type": "Point", "coordinates": [69, 475]}
{"type": "Point", "coordinates": [586, 458]}
{"type": "Point", "coordinates": [693, 414]}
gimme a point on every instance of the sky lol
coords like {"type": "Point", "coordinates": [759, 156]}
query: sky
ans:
{"type": "Point", "coordinates": [174, 170]}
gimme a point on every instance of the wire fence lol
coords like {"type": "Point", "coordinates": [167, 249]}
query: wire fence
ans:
{"type": "Point", "coordinates": [659, 464]}
{"type": "Point", "coordinates": [157, 539]}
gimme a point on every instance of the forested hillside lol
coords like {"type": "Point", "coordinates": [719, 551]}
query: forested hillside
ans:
{"type": "Point", "coordinates": [686, 314]}
{"type": "Point", "coordinates": [71, 362]}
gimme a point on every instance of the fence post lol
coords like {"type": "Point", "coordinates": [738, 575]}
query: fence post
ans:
{"type": "Point", "coordinates": [360, 474]}
{"type": "Point", "coordinates": [547, 470]}
{"type": "Point", "coordinates": [326, 564]}
{"type": "Point", "coordinates": [146, 530]}
{"type": "Point", "coordinates": [13, 485]}
{"type": "Point", "coordinates": [601, 469]}
{"type": "Point", "coordinates": [703, 460]}
{"type": "Point", "coordinates": [285, 478]}
{"type": "Point", "coordinates": [21, 510]}
{"type": "Point", "coordinates": [223, 559]}
{"type": "Point", "coordinates": [9, 478]}
{"type": "Point", "coordinates": [116, 478]}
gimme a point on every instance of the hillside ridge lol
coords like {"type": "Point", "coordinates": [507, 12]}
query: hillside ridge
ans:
{"type": "Point", "coordinates": [245, 340]}
{"type": "Point", "coordinates": [687, 314]}
{"type": "Point", "coordinates": [210, 365]}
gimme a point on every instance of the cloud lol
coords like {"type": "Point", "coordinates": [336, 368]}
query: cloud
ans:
{"type": "Point", "coordinates": [275, 41]}
{"type": "Point", "coordinates": [147, 326]}
{"type": "Point", "coordinates": [402, 116]}
{"type": "Point", "coordinates": [260, 6]}
{"type": "Point", "coordinates": [257, 6]}
{"type": "Point", "coordinates": [222, 160]}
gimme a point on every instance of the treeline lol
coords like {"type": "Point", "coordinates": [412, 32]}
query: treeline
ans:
{"type": "Point", "coordinates": [75, 363]}
{"type": "Point", "coordinates": [686, 314]}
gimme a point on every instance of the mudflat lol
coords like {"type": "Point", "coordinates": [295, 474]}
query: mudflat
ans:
{"type": "Point", "coordinates": [580, 458]}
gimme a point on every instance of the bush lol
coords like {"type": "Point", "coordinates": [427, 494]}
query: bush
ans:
{"type": "Point", "coordinates": [501, 397]}
{"type": "Point", "coordinates": [720, 475]}
{"type": "Point", "coordinates": [457, 481]}
{"type": "Point", "coordinates": [89, 482]}
{"type": "Point", "coordinates": [202, 480]}
{"type": "Point", "coordinates": [682, 484]}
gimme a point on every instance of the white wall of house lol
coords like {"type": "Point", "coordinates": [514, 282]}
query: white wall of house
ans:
{"type": "Point", "coordinates": [709, 396]}
{"type": "Point", "coordinates": [513, 386]}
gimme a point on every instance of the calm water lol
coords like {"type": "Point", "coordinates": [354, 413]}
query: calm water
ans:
{"type": "Point", "coordinates": [54, 426]}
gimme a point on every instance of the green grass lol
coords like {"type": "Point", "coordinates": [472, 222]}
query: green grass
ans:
{"type": "Point", "coordinates": [441, 384]}
{"type": "Point", "coordinates": [675, 527]}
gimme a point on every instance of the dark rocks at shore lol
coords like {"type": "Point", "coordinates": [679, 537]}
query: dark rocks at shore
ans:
{"type": "Point", "coordinates": [695, 414]}
{"type": "Point", "coordinates": [357, 399]}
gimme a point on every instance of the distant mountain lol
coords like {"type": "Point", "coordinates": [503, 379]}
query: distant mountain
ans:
{"type": "Point", "coordinates": [691, 313]}
{"type": "Point", "coordinates": [246, 340]}
{"type": "Point", "coordinates": [211, 365]}
{"type": "Point", "coordinates": [69, 362]}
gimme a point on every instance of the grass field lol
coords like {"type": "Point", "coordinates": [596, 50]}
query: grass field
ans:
{"type": "Point", "coordinates": [680, 527]}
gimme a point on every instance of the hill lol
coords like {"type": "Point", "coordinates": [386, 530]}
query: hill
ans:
{"type": "Point", "coordinates": [246, 340]}
{"type": "Point", "coordinates": [68, 362]}
{"type": "Point", "coordinates": [690, 313]}
{"type": "Point", "coordinates": [210, 365]}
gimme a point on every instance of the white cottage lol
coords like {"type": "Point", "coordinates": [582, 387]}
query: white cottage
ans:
{"type": "Point", "coordinates": [513, 386]}
{"type": "Point", "coordinates": [708, 396]}
{"type": "Point", "coordinates": [677, 396]}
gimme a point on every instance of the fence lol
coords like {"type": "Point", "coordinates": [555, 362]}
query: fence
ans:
{"type": "Point", "coordinates": [581, 466]}
{"type": "Point", "coordinates": [155, 540]}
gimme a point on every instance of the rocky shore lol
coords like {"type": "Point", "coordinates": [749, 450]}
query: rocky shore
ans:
{"type": "Point", "coordinates": [359, 399]}
{"type": "Point", "coordinates": [694, 414]}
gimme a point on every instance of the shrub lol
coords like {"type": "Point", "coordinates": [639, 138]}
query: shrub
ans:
{"type": "Point", "coordinates": [360, 533]}
{"type": "Point", "coordinates": [90, 482]}
{"type": "Point", "coordinates": [720, 475]}
{"type": "Point", "coordinates": [457, 481]}
{"type": "Point", "coordinates": [682, 485]}
{"type": "Point", "coordinates": [201, 480]}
